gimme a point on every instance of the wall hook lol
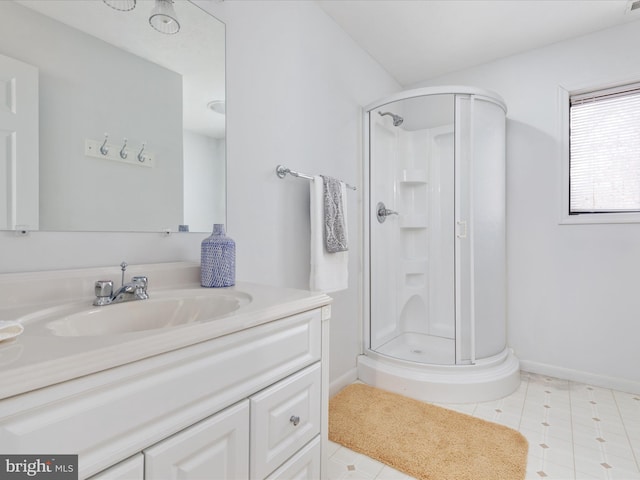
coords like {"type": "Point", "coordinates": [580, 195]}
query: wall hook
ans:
{"type": "Point", "coordinates": [104, 149]}
{"type": "Point", "coordinates": [123, 153]}
{"type": "Point", "coordinates": [140, 156]}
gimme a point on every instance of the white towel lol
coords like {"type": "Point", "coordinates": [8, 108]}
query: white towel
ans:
{"type": "Point", "coordinates": [9, 329]}
{"type": "Point", "coordinates": [329, 271]}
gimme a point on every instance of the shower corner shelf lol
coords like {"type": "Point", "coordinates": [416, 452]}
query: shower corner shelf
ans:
{"type": "Point", "coordinates": [413, 221]}
{"type": "Point", "coordinates": [413, 176]}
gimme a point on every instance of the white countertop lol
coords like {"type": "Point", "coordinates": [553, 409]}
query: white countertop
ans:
{"type": "Point", "coordinates": [36, 359]}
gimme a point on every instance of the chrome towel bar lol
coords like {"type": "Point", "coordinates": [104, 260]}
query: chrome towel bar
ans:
{"type": "Point", "coordinates": [282, 171]}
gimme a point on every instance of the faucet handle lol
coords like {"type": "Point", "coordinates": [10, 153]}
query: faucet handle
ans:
{"type": "Point", "coordinates": [140, 284]}
{"type": "Point", "coordinates": [140, 281]}
{"type": "Point", "coordinates": [104, 290]}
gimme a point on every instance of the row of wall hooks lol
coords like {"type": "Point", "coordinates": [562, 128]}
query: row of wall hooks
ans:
{"type": "Point", "coordinates": [104, 149]}
{"type": "Point", "coordinates": [121, 152]}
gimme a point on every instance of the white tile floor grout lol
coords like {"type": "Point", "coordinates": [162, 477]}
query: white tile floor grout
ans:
{"type": "Point", "coordinates": [575, 432]}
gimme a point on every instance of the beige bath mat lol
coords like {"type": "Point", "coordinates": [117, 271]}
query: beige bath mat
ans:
{"type": "Point", "coordinates": [422, 440]}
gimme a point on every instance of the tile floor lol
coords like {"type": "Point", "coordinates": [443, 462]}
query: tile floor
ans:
{"type": "Point", "coordinates": [575, 432]}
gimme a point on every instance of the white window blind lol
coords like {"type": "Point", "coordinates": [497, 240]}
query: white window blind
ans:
{"type": "Point", "coordinates": [604, 169]}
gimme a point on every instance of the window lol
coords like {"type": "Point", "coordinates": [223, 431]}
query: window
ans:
{"type": "Point", "coordinates": [604, 151]}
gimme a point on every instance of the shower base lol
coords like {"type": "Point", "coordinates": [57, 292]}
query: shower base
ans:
{"type": "Point", "coordinates": [420, 348]}
{"type": "Point", "coordinates": [489, 379]}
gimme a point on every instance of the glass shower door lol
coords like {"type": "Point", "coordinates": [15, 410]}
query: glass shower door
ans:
{"type": "Point", "coordinates": [412, 229]}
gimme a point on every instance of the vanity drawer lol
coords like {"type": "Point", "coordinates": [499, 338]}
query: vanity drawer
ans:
{"type": "Point", "coordinates": [284, 417]}
{"type": "Point", "coordinates": [304, 465]}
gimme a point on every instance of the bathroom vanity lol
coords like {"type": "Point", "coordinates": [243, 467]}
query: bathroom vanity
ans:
{"type": "Point", "coordinates": [238, 392]}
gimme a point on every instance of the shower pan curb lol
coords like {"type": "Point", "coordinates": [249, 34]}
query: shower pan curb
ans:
{"type": "Point", "coordinates": [488, 380]}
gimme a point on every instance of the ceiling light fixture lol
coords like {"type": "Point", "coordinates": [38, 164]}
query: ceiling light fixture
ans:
{"type": "Point", "coordinates": [163, 17]}
{"type": "Point", "coordinates": [121, 5]}
{"type": "Point", "coordinates": [217, 106]}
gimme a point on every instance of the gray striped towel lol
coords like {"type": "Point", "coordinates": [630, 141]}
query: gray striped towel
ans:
{"type": "Point", "coordinates": [335, 229]}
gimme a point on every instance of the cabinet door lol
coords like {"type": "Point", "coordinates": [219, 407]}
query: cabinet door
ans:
{"type": "Point", "coordinates": [284, 417]}
{"type": "Point", "coordinates": [129, 469]}
{"type": "Point", "coordinates": [215, 448]}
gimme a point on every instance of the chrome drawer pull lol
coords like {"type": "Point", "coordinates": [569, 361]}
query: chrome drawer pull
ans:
{"type": "Point", "coordinates": [295, 420]}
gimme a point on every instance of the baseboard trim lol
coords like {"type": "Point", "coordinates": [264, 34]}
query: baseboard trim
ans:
{"type": "Point", "coordinates": [596, 380]}
{"type": "Point", "coordinates": [342, 381]}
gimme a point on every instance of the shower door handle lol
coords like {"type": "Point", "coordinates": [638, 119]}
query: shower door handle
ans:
{"type": "Point", "coordinates": [462, 229]}
{"type": "Point", "coordinates": [382, 212]}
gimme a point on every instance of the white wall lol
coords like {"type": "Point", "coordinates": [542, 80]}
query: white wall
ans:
{"type": "Point", "coordinates": [573, 298]}
{"type": "Point", "coordinates": [295, 86]}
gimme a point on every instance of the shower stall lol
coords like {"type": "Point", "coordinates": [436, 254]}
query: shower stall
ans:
{"type": "Point", "coordinates": [435, 269]}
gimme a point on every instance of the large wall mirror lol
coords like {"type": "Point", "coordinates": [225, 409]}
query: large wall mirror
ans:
{"type": "Point", "coordinates": [109, 119]}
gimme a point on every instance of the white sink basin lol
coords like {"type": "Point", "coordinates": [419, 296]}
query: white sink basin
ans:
{"type": "Point", "coordinates": [162, 310]}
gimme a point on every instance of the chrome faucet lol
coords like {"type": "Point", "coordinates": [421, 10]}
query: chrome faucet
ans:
{"type": "Point", "coordinates": [136, 289]}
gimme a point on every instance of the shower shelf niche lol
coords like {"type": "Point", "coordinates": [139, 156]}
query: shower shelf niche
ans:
{"type": "Point", "coordinates": [413, 221]}
{"type": "Point", "coordinates": [415, 280]}
{"type": "Point", "coordinates": [413, 176]}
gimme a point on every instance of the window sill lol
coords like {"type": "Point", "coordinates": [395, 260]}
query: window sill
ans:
{"type": "Point", "coordinates": [599, 218]}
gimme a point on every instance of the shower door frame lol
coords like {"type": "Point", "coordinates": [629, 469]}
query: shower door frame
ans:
{"type": "Point", "coordinates": [456, 91]}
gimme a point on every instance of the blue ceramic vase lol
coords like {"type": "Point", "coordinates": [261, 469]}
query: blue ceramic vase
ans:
{"type": "Point", "coordinates": [218, 259]}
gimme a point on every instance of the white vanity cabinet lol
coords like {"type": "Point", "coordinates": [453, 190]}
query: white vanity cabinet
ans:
{"type": "Point", "coordinates": [249, 404]}
{"type": "Point", "coordinates": [250, 439]}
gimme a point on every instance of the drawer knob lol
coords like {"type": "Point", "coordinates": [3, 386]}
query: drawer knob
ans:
{"type": "Point", "coordinates": [295, 420]}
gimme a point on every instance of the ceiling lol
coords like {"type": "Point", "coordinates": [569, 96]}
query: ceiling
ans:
{"type": "Point", "coordinates": [415, 40]}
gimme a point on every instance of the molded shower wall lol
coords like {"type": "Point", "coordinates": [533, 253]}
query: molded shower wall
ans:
{"type": "Point", "coordinates": [413, 173]}
{"type": "Point", "coordinates": [437, 271]}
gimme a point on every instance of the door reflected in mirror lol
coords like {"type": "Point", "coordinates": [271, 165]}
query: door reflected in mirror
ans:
{"type": "Point", "coordinates": [107, 123]}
